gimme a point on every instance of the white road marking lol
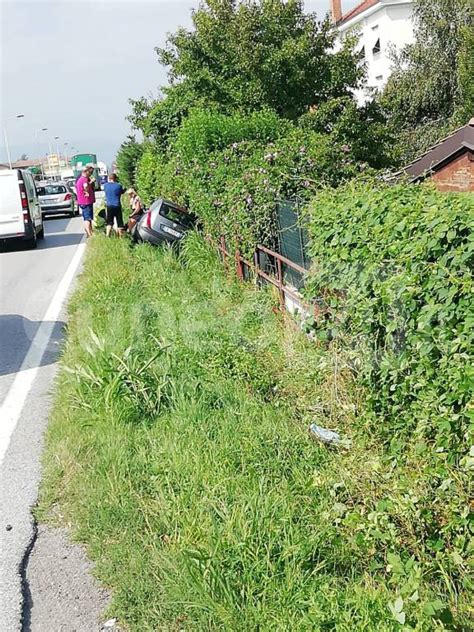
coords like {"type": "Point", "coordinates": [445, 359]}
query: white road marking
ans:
{"type": "Point", "coordinates": [12, 406]}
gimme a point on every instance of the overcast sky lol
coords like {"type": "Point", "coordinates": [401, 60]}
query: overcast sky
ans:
{"type": "Point", "coordinates": [72, 66]}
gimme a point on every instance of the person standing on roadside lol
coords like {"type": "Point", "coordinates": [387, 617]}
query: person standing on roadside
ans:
{"type": "Point", "coordinates": [92, 182]}
{"type": "Point", "coordinates": [113, 192]}
{"type": "Point", "coordinates": [86, 199]}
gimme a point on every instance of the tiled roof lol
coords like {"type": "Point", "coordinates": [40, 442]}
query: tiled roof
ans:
{"type": "Point", "coordinates": [365, 4]}
{"type": "Point", "coordinates": [445, 150]}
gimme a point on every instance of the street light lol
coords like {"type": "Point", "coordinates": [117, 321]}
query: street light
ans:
{"type": "Point", "coordinates": [43, 129]}
{"type": "Point", "coordinates": [58, 155]}
{"type": "Point", "coordinates": [18, 116]}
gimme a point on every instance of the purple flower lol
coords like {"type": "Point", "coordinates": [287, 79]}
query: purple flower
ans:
{"type": "Point", "coordinates": [345, 148]}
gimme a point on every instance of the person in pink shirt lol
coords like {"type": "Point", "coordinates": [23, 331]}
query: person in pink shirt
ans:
{"type": "Point", "coordinates": [86, 199]}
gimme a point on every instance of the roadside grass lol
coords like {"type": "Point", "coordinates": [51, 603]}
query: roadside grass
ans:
{"type": "Point", "coordinates": [178, 452]}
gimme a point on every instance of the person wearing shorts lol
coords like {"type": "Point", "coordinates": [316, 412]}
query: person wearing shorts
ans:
{"type": "Point", "coordinates": [86, 199]}
{"type": "Point", "coordinates": [113, 192]}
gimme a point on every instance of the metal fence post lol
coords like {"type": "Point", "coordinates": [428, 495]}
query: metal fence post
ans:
{"type": "Point", "coordinates": [238, 265]}
{"type": "Point", "coordinates": [280, 285]}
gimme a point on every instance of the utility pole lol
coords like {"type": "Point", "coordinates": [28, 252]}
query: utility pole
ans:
{"type": "Point", "coordinates": [18, 116]}
{"type": "Point", "coordinates": [43, 129]}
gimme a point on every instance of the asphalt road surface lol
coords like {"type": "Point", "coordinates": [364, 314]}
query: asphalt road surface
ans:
{"type": "Point", "coordinates": [34, 285]}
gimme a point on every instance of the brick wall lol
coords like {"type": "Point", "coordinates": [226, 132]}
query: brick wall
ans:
{"type": "Point", "coordinates": [457, 175]}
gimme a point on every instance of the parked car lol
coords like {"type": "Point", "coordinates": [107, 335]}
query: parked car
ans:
{"type": "Point", "coordinates": [57, 197]}
{"type": "Point", "coordinates": [20, 212]}
{"type": "Point", "coordinates": [164, 222]}
{"type": "Point", "coordinates": [71, 184]}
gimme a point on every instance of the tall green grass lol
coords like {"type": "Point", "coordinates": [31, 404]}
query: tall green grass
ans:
{"type": "Point", "coordinates": [178, 453]}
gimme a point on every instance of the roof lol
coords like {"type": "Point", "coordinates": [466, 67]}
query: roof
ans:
{"type": "Point", "coordinates": [443, 152]}
{"type": "Point", "coordinates": [360, 8]}
{"type": "Point", "coordinates": [22, 164]}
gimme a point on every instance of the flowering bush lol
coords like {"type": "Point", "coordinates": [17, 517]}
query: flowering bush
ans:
{"type": "Point", "coordinates": [230, 170]}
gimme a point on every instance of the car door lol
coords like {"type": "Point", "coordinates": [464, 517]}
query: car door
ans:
{"type": "Point", "coordinates": [33, 202]}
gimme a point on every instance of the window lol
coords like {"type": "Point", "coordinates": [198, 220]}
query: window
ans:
{"type": "Point", "coordinates": [376, 49]}
{"type": "Point", "coordinates": [51, 189]}
{"type": "Point", "coordinates": [177, 216]}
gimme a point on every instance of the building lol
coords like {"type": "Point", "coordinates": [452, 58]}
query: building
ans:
{"type": "Point", "coordinates": [50, 166]}
{"type": "Point", "coordinates": [449, 163]}
{"type": "Point", "coordinates": [382, 26]}
{"type": "Point", "coordinates": [33, 163]}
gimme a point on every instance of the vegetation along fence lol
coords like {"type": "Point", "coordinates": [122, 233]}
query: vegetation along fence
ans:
{"type": "Point", "coordinates": [284, 269]}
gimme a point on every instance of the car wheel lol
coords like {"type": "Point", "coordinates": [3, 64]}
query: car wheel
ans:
{"type": "Point", "coordinates": [33, 242]}
{"type": "Point", "coordinates": [41, 233]}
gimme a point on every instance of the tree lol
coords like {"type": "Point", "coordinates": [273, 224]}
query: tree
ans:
{"type": "Point", "coordinates": [363, 131]}
{"type": "Point", "coordinates": [465, 73]}
{"type": "Point", "coordinates": [425, 85]}
{"type": "Point", "coordinates": [127, 159]}
{"type": "Point", "coordinates": [253, 55]}
{"type": "Point", "coordinates": [157, 120]}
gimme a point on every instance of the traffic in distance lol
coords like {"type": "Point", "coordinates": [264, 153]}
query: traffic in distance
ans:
{"type": "Point", "coordinates": [29, 194]}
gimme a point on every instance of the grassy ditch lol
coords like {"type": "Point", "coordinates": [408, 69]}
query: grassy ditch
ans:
{"type": "Point", "coordinates": [178, 452]}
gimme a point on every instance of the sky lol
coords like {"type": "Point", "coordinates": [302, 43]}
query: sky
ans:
{"type": "Point", "coordinates": [71, 67]}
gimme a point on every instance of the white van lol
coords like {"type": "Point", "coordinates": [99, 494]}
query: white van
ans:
{"type": "Point", "coordinates": [20, 212]}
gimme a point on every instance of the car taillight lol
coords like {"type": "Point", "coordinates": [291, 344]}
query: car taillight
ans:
{"type": "Point", "coordinates": [24, 197]}
{"type": "Point", "coordinates": [68, 196]}
{"type": "Point", "coordinates": [148, 219]}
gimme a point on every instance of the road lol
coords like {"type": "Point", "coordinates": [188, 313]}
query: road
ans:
{"type": "Point", "coordinates": [33, 288]}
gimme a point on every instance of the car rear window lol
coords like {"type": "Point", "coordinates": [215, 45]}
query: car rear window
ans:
{"type": "Point", "coordinates": [177, 216]}
{"type": "Point", "coordinates": [52, 189]}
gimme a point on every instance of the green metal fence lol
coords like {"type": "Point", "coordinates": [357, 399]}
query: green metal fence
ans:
{"type": "Point", "coordinates": [292, 240]}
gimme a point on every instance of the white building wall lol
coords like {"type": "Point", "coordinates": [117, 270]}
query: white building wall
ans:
{"type": "Point", "coordinates": [390, 22]}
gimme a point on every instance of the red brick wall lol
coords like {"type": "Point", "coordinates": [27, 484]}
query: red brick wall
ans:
{"type": "Point", "coordinates": [457, 175]}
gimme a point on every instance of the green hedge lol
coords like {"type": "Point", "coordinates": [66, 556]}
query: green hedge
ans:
{"type": "Point", "coordinates": [230, 170]}
{"type": "Point", "coordinates": [393, 270]}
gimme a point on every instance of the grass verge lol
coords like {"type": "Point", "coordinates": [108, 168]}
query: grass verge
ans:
{"type": "Point", "coordinates": [178, 452]}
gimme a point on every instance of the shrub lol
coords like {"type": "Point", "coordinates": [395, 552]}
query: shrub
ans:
{"type": "Point", "coordinates": [128, 157]}
{"type": "Point", "coordinates": [393, 268]}
{"type": "Point", "coordinates": [232, 170]}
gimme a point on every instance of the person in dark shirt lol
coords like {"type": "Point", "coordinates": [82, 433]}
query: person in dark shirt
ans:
{"type": "Point", "coordinates": [113, 192]}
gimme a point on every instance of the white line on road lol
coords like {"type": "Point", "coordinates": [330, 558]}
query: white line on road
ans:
{"type": "Point", "coordinates": [12, 406]}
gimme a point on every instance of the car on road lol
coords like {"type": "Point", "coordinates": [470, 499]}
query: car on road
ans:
{"type": "Point", "coordinates": [57, 197]}
{"type": "Point", "coordinates": [20, 211]}
{"type": "Point", "coordinates": [71, 184]}
{"type": "Point", "coordinates": [164, 222]}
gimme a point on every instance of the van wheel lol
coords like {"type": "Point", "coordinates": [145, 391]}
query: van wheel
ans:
{"type": "Point", "coordinates": [32, 243]}
{"type": "Point", "coordinates": [41, 233]}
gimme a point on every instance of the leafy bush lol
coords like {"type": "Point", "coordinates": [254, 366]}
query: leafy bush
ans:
{"type": "Point", "coordinates": [230, 170]}
{"type": "Point", "coordinates": [206, 131]}
{"type": "Point", "coordinates": [127, 159]}
{"type": "Point", "coordinates": [363, 129]}
{"type": "Point", "coordinates": [394, 267]}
